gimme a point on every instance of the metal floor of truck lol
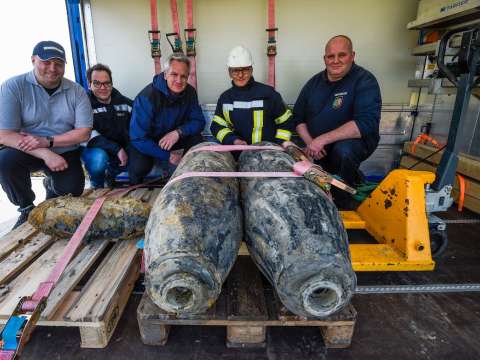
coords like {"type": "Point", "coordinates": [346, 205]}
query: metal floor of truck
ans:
{"type": "Point", "coordinates": [389, 326]}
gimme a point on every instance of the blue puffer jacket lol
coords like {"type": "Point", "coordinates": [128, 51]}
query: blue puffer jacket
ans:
{"type": "Point", "coordinates": [157, 111]}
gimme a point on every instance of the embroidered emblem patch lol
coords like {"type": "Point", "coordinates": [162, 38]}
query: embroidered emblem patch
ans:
{"type": "Point", "coordinates": [337, 102]}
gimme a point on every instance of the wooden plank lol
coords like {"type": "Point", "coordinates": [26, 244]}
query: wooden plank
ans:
{"type": "Point", "coordinates": [472, 187]}
{"type": "Point", "coordinates": [246, 336]}
{"type": "Point", "coordinates": [138, 193]}
{"type": "Point", "coordinates": [99, 336]}
{"type": "Point", "coordinates": [337, 337]}
{"type": "Point", "coordinates": [467, 165]}
{"type": "Point", "coordinates": [470, 202]}
{"type": "Point", "coordinates": [18, 259]}
{"type": "Point", "coordinates": [27, 282]}
{"type": "Point", "coordinates": [14, 238]}
{"type": "Point", "coordinates": [150, 313]}
{"type": "Point", "coordinates": [66, 304]}
{"type": "Point", "coordinates": [72, 275]}
{"type": "Point", "coordinates": [105, 282]}
{"type": "Point", "coordinates": [153, 334]}
{"type": "Point", "coordinates": [153, 197]}
{"type": "Point", "coordinates": [245, 297]}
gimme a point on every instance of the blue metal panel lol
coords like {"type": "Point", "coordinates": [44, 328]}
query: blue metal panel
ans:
{"type": "Point", "coordinates": [76, 40]}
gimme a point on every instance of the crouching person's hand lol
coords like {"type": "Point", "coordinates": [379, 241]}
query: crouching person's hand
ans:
{"type": "Point", "coordinates": [175, 157]}
{"type": "Point", "coordinates": [54, 161]}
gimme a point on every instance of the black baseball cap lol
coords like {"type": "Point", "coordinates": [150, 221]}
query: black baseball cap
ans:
{"type": "Point", "coordinates": [47, 50]}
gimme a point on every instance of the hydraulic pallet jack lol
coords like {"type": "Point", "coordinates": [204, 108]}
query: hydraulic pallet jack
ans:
{"type": "Point", "coordinates": [399, 213]}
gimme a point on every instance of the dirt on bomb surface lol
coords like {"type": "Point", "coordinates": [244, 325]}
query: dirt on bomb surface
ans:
{"type": "Point", "coordinates": [119, 218]}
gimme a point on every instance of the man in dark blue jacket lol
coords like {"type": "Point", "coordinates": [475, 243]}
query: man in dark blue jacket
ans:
{"type": "Point", "coordinates": [106, 153]}
{"type": "Point", "coordinates": [337, 113]}
{"type": "Point", "coordinates": [166, 116]}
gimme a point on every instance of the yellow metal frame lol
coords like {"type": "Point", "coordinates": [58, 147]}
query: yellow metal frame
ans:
{"type": "Point", "coordinates": [394, 214]}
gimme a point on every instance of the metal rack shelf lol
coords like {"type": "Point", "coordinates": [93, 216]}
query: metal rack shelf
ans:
{"type": "Point", "coordinates": [445, 14]}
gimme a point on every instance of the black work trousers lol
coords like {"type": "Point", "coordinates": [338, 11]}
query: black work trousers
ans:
{"type": "Point", "coordinates": [344, 158]}
{"type": "Point", "coordinates": [16, 167]}
{"type": "Point", "coordinates": [139, 164]}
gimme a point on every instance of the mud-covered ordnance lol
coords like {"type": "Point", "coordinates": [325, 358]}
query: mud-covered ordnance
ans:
{"type": "Point", "coordinates": [193, 235]}
{"type": "Point", "coordinates": [119, 218]}
{"type": "Point", "coordinates": [295, 235]}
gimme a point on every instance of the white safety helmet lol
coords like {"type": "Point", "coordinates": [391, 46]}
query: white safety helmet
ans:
{"type": "Point", "coordinates": [239, 57]}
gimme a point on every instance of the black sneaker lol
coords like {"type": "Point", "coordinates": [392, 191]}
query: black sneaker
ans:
{"type": "Point", "coordinates": [47, 183]}
{"type": "Point", "coordinates": [23, 216]}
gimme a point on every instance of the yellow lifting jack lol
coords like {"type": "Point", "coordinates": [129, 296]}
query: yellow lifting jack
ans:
{"type": "Point", "coordinates": [398, 214]}
{"type": "Point", "coordinates": [394, 214]}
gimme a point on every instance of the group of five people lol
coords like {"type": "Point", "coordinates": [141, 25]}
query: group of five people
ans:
{"type": "Point", "coordinates": [44, 118]}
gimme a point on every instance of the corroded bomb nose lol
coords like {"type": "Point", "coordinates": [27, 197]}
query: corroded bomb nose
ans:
{"type": "Point", "coordinates": [181, 293]}
{"type": "Point", "coordinates": [193, 235]}
{"type": "Point", "coordinates": [296, 237]}
{"type": "Point", "coordinates": [322, 298]}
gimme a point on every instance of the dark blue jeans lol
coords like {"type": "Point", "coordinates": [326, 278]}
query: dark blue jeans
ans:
{"type": "Point", "coordinates": [99, 164]}
{"type": "Point", "coordinates": [344, 158]}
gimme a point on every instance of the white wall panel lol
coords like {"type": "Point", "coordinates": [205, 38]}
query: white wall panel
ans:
{"type": "Point", "coordinates": [377, 27]}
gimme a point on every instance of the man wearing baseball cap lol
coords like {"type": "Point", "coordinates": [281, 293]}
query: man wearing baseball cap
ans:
{"type": "Point", "coordinates": [43, 119]}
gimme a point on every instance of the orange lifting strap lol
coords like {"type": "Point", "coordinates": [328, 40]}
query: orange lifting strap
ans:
{"type": "Point", "coordinates": [271, 43]}
{"type": "Point", "coordinates": [424, 139]}
{"type": "Point", "coordinates": [190, 37]}
{"type": "Point", "coordinates": [154, 37]}
{"type": "Point", "coordinates": [176, 45]}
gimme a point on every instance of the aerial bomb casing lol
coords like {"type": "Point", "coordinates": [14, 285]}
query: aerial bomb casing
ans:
{"type": "Point", "coordinates": [193, 235]}
{"type": "Point", "coordinates": [119, 218]}
{"type": "Point", "coordinates": [295, 235]}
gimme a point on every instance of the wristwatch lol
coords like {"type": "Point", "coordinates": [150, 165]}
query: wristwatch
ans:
{"type": "Point", "coordinates": [50, 141]}
{"type": "Point", "coordinates": [180, 132]}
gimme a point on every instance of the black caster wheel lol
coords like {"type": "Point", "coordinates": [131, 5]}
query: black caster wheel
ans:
{"type": "Point", "coordinates": [438, 242]}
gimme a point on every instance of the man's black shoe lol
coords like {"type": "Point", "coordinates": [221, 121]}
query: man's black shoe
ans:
{"type": "Point", "coordinates": [47, 183]}
{"type": "Point", "coordinates": [23, 216]}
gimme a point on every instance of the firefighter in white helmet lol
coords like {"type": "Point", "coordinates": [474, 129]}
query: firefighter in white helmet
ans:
{"type": "Point", "coordinates": [249, 112]}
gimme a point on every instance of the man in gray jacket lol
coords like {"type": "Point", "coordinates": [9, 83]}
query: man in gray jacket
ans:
{"type": "Point", "coordinates": [43, 119]}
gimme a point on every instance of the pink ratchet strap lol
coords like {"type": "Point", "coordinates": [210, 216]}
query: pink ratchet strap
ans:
{"type": "Point", "coordinates": [47, 286]}
{"type": "Point", "coordinates": [227, 148]}
{"type": "Point", "coordinates": [29, 308]}
{"type": "Point", "coordinates": [298, 172]}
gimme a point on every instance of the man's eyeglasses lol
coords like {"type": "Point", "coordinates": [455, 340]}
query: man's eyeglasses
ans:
{"type": "Point", "coordinates": [238, 71]}
{"type": "Point", "coordinates": [98, 84]}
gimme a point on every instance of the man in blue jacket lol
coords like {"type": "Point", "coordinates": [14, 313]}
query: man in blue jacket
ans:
{"type": "Point", "coordinates": [166, 116]}
{"type": "Point", "coordinates": [337, 113]}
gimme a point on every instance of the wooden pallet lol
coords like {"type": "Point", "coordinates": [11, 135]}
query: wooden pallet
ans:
{"type": "Point", "coordinates": [94, 289]}
{"type": "Point", "coordinates": [246, 306]}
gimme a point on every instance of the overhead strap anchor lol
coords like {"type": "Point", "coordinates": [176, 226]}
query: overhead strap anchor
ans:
{"type": "Point", "coordinates": [190, 37]}
{"type": "Point", "coordinates": [271, 42]}
{"type": "Point", "coordinates": [176, 43]}
{"type": "Point", "coordinates": [154, 39]}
